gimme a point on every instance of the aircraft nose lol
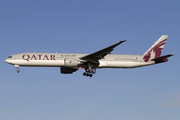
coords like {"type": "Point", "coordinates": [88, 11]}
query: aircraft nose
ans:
{"type": "Point", "coordinates": [7, 60]}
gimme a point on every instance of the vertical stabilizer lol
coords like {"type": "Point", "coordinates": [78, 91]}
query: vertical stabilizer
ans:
{"type": "Point", "coordinates": [156, 49]}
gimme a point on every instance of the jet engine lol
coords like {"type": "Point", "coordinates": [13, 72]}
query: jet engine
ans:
{"type": "Point", "coordinates": [66, 70]}
{"type": "Point", "coordinates": [71, 62]}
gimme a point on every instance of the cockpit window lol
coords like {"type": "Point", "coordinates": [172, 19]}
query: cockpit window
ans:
{"type": "Point", "coordinates": [10, 57]}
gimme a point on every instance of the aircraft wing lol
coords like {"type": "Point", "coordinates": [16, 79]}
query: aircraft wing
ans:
{"type": "Point", "coordinates": [94, 57]}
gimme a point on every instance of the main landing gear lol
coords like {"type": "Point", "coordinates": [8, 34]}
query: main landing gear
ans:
{"type": "Point", "coordinates": [17, 66]}
{"type": "Point", "coordinates": [89, 72]}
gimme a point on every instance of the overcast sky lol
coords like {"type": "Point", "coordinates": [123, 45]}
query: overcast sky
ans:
{"type": "Point", "coordinates": [85, 26]}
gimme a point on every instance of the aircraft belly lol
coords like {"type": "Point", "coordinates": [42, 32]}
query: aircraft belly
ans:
{"type": "Point", "coordinates": [120, 64]}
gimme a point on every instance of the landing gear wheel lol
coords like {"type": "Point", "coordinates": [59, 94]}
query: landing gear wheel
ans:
{"type": "Point", "coordinates": [18, 71]}
{"type": "Point", "coordinates": [90, 75]}
{"type": "Point", "coordinates": [94, 71]}
{"type": "Point", "coordinates": [87, 70]}
{"type": "Point", "coordinates": [87, 74]}
{"type": "Point", "coordinates": [84, 74]}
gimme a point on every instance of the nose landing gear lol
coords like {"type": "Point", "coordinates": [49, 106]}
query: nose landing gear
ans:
{"type": "Point", "coordinates": [17, 66]}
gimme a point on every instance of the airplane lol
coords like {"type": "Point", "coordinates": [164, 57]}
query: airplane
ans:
{"type": "Point", "coordinates": [71, 62]}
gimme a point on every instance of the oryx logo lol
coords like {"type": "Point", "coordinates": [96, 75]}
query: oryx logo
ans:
{"type": "Point", "coordinates": [155, 51]}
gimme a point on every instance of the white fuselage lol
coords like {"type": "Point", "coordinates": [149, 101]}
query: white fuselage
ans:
{"type": "Point", "coordinates": [58, 60]}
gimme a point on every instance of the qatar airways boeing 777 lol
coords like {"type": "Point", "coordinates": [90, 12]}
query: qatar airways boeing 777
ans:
{"type": "Point", "coordinates": [71, 62]}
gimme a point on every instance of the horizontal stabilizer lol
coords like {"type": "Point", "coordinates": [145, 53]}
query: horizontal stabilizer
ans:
{"type": "Point", "coordinates": [162, 57]}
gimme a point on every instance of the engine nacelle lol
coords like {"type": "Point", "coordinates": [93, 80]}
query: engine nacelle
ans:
{"type": "Point", "coordinates": [71, 62]}
{"type": "Point", "coordinates": [66, 70]}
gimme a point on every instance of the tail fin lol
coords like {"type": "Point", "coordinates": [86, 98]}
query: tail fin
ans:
{"type": "Point", "coordinates": [156, 49]}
